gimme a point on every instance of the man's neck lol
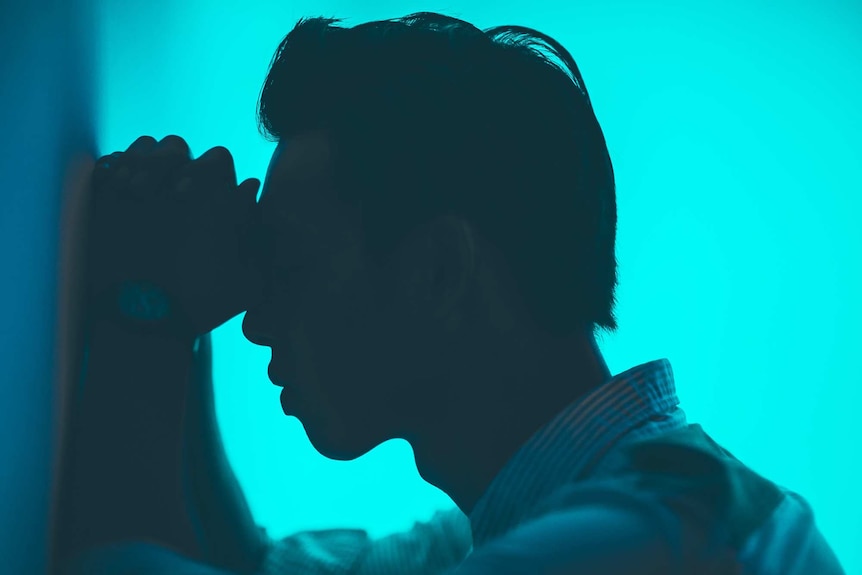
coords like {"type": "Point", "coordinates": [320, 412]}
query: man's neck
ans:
{"type": "Point", "coordinates": [476, 436]}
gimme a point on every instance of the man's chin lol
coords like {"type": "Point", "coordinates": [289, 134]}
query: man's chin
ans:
{"type": "Point", "coordinates": [338, 448]}
{"type": "Point", "coordinates": [338, 453]}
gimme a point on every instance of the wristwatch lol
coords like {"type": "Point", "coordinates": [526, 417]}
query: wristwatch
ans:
{"type": "Point", "coordinates": [144, 308]}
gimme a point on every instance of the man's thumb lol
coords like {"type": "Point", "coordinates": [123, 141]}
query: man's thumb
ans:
{"type": "Point", "coordinates": [250, 187]}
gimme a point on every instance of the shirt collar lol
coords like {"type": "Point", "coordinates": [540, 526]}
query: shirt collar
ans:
{"type": "Point", "coordinates": [568, 447]}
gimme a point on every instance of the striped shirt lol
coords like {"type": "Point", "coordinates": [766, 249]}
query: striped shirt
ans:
{"type": "Point", "coordinates": [515, 530]}
{"type": "Point", "coordinates": [637, 403]}
{"type": "Point", "coordinates": [549, 510]}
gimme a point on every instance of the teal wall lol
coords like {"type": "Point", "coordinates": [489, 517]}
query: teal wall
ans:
{"type": "Point", "coordinates": [47, 124]}
{"type": "Point", "coordinates": [735, 133]}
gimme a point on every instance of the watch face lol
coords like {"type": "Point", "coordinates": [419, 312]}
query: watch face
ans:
{"type": "Point", "coordinates": [143, 301]}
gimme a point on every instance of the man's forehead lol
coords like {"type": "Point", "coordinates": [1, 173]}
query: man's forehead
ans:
{"type": "Point", "coordinates": [290, 211]}
{"type": "Point", "coordinates": [282, 190]}
{"type": "Point", "coordinates": [278, 217]}
{"type": "Point", "coordinates": [298, 164]}
{"type": "Point", "coordinates": [298, 205]}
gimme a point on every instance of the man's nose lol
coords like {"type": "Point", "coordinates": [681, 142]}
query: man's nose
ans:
{"type": "Point", "coordinates": [254, 332]}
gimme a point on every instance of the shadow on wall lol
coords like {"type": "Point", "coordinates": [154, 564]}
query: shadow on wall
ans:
{"type": "Point", "coordinates": [69, 342]}
{"type": "Point", "coordinates": [47, 114]}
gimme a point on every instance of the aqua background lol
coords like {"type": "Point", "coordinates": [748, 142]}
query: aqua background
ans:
{"type": "Point", "coordinates": [734, 128]}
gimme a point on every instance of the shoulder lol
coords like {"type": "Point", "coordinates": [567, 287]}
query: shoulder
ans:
{"type": "Point", "coordinates": [603, 532]}
{"type": "Point", "coordinates": [606, 527]}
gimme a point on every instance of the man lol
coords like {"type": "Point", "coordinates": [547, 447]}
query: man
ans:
{"type": "Point", "coordinates": [430, 259]}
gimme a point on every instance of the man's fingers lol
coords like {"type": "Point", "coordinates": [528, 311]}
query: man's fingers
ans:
{"type": "Point", "coordinates": [102, 170]}
{"type": "Point", "coordinates": [216, 165]}
{"type": "Point", "coordinates": [250, 187]}
{"type": "Point", "coordinates": [173, 145]}
{"type": "Point", "coordinates": [148, 163]}
{"type": "Point", "coordinates": [142, 145]}
{"type": "Point", "coordinates": [165, 159]}
{"type": "Point", "coordinates": [109, 159]}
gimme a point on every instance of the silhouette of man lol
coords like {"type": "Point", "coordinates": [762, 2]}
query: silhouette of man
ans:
{"type": "Point", "coordinates": [434, 254]}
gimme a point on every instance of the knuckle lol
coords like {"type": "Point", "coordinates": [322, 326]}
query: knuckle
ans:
{"type": "Point", "coordinates": [143, 142]}
{"type": "Point", "coordinates": [170, 153]}
{"type": "Point", "coordinates": [173, 143]}
{"type": "Point", "coordinates": [218, 153]}
{"type": "Point", "coordinates": [217, 162]}
{"type": "Point", "coordinates": [107, 162]}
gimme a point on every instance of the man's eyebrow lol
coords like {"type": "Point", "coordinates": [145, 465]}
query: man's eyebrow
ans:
{"type": "Point", "coordinates": [272, 216]}
{"type": "Point", "coordinates": [276, 231]}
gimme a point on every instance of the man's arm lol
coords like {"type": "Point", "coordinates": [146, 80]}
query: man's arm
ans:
{"type": "Point", "coordinates": [588, 540]}
{"type": "Point", "coordinates": [122, 474]}
{"type": "Point", "coordinates": [230, 537]}
{"type": "Point", "coordinates": [429, 548]}
{"type": "Point", "coordinates": [233, 541]}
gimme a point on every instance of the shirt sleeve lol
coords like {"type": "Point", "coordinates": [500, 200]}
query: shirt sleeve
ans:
{"type": "Point", "coordinates": [790, 543]}
{"type": "Point", "coordinates": [323, 552]}
{"type": "Point", "coordinates": [601, 531]}
{"type": "Point", "coordinates": [429, 548]}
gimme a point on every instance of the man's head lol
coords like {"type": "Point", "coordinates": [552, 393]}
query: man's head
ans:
{"type": "Point", "coordinates": [441, 203]}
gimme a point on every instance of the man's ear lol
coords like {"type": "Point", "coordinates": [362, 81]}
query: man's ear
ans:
{"type": "Point", "coordinates": [453, 271]}
{"type": "Point", "coordinates": [436, 268]}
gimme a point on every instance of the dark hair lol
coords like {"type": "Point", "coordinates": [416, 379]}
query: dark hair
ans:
{"type": "Point", "coordinates": [430, 115]}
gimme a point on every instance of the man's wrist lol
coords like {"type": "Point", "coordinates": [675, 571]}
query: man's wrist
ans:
{"type": "Point", "coordinates": [113, 328]}
{"type": "Point", "coordinates": [141, 309]}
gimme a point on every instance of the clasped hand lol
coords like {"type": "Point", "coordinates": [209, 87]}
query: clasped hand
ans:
{"type": "Point", "coordinates": [184, 225]}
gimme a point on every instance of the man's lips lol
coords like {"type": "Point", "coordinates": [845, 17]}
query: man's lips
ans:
{"type": "Point", "coordinates": [275, 378]}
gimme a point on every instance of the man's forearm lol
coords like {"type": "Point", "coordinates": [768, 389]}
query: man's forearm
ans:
{"type": "Point", "coordinates": [229, 535]}
{"type": "Point", "coordinates": [122, 475]}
